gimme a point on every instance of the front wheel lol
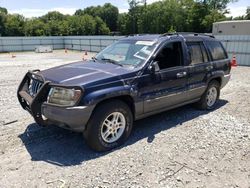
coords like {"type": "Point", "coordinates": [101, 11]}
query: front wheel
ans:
{"type": "Point", "coordinates": [210, 97]}
{"type": "Point", "coordinates": [110, 125]}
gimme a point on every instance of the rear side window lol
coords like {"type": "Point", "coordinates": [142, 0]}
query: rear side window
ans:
{"type": "Point", "coordinates": [216, 50]}
{"type": "Point", "coordinates": [197, 52]}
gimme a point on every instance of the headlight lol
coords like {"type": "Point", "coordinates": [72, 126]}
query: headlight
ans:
{"type": "Point", "coordinates": [63, 96]}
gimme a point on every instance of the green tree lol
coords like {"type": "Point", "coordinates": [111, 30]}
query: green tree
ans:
{"type": "Point", "coordinates": [64, 27]}
{"type": "Point", "coordinates": [82, 25]}
{"type": "Point", "coordinates": [218, 4]}
{"type": "Point", "coordinates": [14, 25]}
{"type": "Point", "coordinates": [122, 23]}
{"type": "Point", "coordinates": [52, 16]}
{"type": "Point", "coordinates": [3, 17]}
{"type": "Point", "coordinates": [208, 21]}
{"type": "Point", "coordinates": [3, 10]}
{"type": "Point", "coordinates": [34, 27]}
{"type": "Point", "coordinates": [247, 17]}
{"type": "Point", "coordinates": [158, 17]}
{"type": "Point", "coordinates": [101, 27]}
{"type": "Point", "coordinates": [108, 13]}
{"type": "Point", "coordinates": [239, 18]}
{"type": "Point", "coordinates": [196, 12]}
{"type": "Point", "coordinates": [55, 23]}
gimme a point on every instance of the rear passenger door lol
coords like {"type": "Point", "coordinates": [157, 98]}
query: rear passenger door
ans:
{"type": "Point", "coordinates": [198, 69]}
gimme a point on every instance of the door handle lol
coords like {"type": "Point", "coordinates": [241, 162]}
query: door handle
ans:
{"type": "Point", "coordinates": [209, 67]}
{"type": "Point", "coordinates": [181, 74]}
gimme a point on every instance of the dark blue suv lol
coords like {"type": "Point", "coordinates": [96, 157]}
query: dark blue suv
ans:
{"type": "Point", "coordinates": [133, 78]}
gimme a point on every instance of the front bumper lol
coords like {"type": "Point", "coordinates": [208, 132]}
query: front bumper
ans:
{"type": "Point", "coordinates": [73, 118]}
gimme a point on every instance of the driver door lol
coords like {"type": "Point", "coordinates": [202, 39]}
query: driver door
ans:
{"type": "Point", "coordinates": [167, 86]}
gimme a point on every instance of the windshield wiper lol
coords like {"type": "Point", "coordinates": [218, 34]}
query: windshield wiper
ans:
{"type": "Point", "coordinates": [112, 61]}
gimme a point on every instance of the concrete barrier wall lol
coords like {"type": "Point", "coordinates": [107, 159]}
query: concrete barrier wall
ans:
{"type": "Point", "coordinates": [238, 45]}
{"type": "Point", "coordinates": [235, 44]}
{"type": "Point", "coordinates": [89, 43]}
{"type": "Point", "coordinates": [10, 44]}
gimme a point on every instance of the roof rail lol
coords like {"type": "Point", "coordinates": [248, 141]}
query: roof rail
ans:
{"type": "Point", "coordinates": [169, 34]}
{"type": "Point", "coordinates": [133, 35]}
{"type": "Point", "coordinates": [187, 33]}
{"type": "Point", "coordinates": [204, 34]}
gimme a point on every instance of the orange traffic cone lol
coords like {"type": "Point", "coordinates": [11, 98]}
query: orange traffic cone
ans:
{"type": "Point", "coordinates": [234, 61]}
{"type": "Point", "coordinates": [66, 50]}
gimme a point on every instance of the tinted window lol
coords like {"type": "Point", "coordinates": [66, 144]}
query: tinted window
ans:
{"type": "Point", "coordinates": [216, 50]}
{"type": "Point", "coordinates": [204, 52]}
{"type": "Point", "coordinates": [170, 55]}
{"type": "Point", "coordinates": [196, 54]}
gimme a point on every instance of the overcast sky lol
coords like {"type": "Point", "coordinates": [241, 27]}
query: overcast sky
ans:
{"type": "Point", "coordinates": [34, 8]}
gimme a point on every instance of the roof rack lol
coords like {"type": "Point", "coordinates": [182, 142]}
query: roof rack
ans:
{"type": "Point", "coordinates": [187, 33]}
{"type": "Point", "coordinates": [203, 34]}
{"type": "Point", "coordinates": [169, 34]}
{"type": "Point", "coordinates": [133, 35]}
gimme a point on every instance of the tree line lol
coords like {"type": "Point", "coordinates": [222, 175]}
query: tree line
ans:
{"type": "Point", "coordinates": [159, 17]}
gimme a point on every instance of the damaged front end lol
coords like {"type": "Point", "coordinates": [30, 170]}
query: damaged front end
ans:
{"type": "Point", "coordinates": [32, 93]}
{"type": "Point", "coordinates": [35, 95]}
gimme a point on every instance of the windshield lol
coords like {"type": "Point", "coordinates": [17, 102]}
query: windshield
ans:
{"type": "Point", "coordinates": [127, 53]}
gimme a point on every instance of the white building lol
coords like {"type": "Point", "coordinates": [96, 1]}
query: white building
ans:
{"type": "Point", "coordinates": [235, 36]}
{"type": "Point", "coordinates": [237, 27]}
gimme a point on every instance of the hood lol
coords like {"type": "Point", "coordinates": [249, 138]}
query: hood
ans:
{"type": "Point", "coordinates": [83, 72]}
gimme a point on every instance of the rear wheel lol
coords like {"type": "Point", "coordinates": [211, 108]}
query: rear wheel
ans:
{"type": "Point", "coordinates": [110, 125]}
{"type": "Point", "coordinates": [210, 97]}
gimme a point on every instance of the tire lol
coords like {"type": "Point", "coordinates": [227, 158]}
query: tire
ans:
{"type": "Point", "coordinates": [210, 97]}
{"type": "Point", "coordinates": [109, 126]}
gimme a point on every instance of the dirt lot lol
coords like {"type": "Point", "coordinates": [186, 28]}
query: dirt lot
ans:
{"type": "Point", "coordinates": [179, 148]}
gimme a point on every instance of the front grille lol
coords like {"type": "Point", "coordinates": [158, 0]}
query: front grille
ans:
{"type": "Point", "coordinates": [34, 87]}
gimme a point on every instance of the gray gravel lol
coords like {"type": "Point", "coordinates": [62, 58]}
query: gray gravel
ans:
{"type": "Point", "coordinates": [184, 147]}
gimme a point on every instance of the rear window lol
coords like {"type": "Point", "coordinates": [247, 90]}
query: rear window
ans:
{"type": "Point", "coordinates": [216, 50]}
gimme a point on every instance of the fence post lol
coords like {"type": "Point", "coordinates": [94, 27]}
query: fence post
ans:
{"type": "Point", "coordinates": [90, 48]}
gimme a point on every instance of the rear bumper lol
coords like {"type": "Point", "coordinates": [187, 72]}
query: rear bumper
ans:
{"type": "Point", "coordinates": [73, 118]}
{"type": "Point", "coordinates": [225, 80]}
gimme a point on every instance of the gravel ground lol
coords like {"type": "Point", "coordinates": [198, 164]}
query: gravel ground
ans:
{"type": "Point", "coordinates": [184, 147]}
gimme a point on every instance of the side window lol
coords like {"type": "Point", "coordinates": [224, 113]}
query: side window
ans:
{"type": "Point", "coordinates": [216, 50]}
{"type": "Point", "coordinates": [204, 53]}
{"type": "Point", "coordinates": [170, 55]}
{"type": "Point", "coordinates": [197, 52]}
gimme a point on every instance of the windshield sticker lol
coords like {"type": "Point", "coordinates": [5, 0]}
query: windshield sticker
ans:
{"type": "Point", "coordinates": [146, 43]}
{"type": "Point", "coordinates": [143, 52]}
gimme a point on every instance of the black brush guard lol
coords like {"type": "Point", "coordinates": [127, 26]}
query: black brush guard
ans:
{"type": "Point", "coordinates": [33, 104]}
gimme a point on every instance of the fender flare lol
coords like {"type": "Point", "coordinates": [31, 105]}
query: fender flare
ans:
{"type": "Point", "coordinates": [98, 96]}
{"type": "Point", "coordinates": [214, 75]}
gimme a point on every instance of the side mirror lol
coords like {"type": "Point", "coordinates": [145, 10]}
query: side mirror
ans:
{"type": "Point", "coordinates": [154, 67]}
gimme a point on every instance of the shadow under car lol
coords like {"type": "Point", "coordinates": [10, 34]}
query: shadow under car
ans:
{"type": "Point", "coordinates": [66, 148]}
